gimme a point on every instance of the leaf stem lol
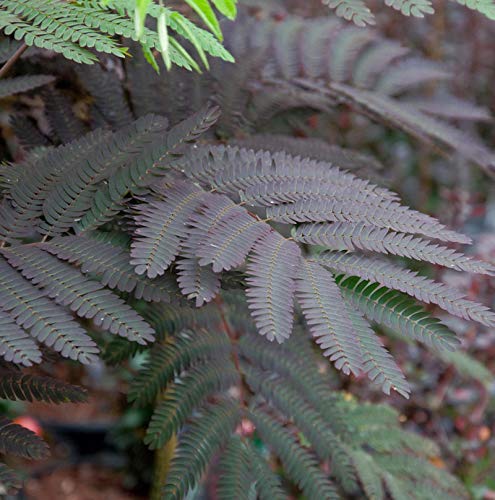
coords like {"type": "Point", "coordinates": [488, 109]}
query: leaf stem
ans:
{"type": "Point", "coordinates": [12, 60]}
{"type": "Point", "coordinates": [163, 458]}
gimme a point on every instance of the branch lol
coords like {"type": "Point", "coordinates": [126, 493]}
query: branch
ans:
{"type": "Point", "coordinates": [12, 60]}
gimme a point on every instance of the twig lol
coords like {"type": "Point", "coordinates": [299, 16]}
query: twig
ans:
{"type": "Point", "coordinates": [12, 60]}
{"type": "Point", "coordinates": [163, 458]}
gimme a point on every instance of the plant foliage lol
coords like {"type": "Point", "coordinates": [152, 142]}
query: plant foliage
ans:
{"type": "Point", "coordinates": [79, 29]}
{"type": "Point", "coordinates": [360, 14]}
{"type": "Point", "coordinates": [123, 230]}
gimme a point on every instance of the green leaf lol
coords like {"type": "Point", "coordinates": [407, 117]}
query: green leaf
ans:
{"type": "Point", "coordinates": [183, 52]}
{"type": "Point", "coordinates": [163, 38]}
{"type": "Point", "coordinates": [178, 18]}
{"type": "Point", "coordinates": [227, 8]}
{"type": "Point", "coordinates": [140, 12]}
{"type": "Point", "coordinates": [205, 12]}
{"type": "Point", "coordinates": [150, 58]}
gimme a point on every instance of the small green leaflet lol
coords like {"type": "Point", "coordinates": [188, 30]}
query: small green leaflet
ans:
{"type": "Point", "coordinates": [205, 12]}
{"type": "Point", "coordinates": [150, 58]}
{"type": "Point", "coordinates": [192, 38]}
{"type": "Point", "coordinates": [227, 8]}
{"type": "Point", "coordinates": [163, 37]}
{"type": "Point", "coordinates": [183, 52]}
{"type": "Point", "coordinates": [140, 12]}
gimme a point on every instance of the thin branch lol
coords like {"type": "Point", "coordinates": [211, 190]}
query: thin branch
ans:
{"type": "Point", "coordinates": [12, 60]}
{"type": "Point", "coordinates": [162, 461]}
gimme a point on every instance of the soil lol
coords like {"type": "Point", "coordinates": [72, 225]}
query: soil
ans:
{"type": "Point", "coordinates": [82, 482]}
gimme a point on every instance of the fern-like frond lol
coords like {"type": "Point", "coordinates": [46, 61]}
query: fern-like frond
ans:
{"type": "Point", "coordinates": [407, 281]}
{"type": "Point", "coordinates": [370, 432]}
{"type": "Point", "coordinates": [214, 208]}
{"type": "Point", "coordinates": [28, 133]}
{"type": "Point", "coordinates": [122, 22]}
{"type": "Point", "coordinates": [410, 73]}
{"type": "Point", "coordinates": [272, 271]}
{"type": "Point", "coordinates": [143, 169]}
{"type": "Point", "coordinates": [352, 10]}
{"type": "Point", "coordinates": [162, 228]}
{"type": "Point", "coordinates": [31, 186]}
{"type": "Point", "coordinates": [346, 206]}
{"type": "Point", "coordinates": [11, 86]}
{"type": "Point", "coordinates": [415, 8]}
{"type": "Point", "coordinates": [9, 175]}
{"type": "Point", "coordinates": [206, 40]}
{"type": "Point", "coordinates": [64, 124]}
{"type": "Point", "coordinates": [178, 23]}
{"type": "Point", "coordinates": [186, 393]}
{"type": "Point", "coordinates": [110, 264]}
{"type": "Point", "coordinates": [277, 192]}
{"type": "Point", "coordinates": [21, 387]}
{"type": "Point", "coordinates": [465, 365]}
{"type": "Point", "coordinates": [232, 169]}
{"type": "Point", "coordinates": [357, 11]}
{"type": "Point", "coordinates": [236, 478]}
{"type": "Point", "coordinates": [364, 64]}
{"type": "Point", "coordinates": [35, 36]}
{"type": "Point", "coordinates": [408, 467]}
{"type": "Point", "coordinates": [204, 436]}
{"type": "Point", "coordinates": [295, 366]}
{"type": "Point", "coordinates": [268, 484]}
{"type": "Point", "coordinates": [310, 148]}
{"type": "Point", "coordinates": [381, 415]}
{"type": "Point", "coordinates": [327, 318]}
{"type": "Point", "coordinates": [326, 444]}
{"type": "Point", "coordinates": [86, 297]}
{"type": "Point", "coordinates": [198, 212]}
{"type": "Point", "coordinates": [196, 282]}
{"type": "Point", "coordinates": [380, 56]}
{"type": "Point", "coordinates": [378, 364]}
{"type": "Point", "coordinates": [53, 26]}
{"type": "Point", "coordinates": [46, 321]}
{"type": "Point", "coordinates": [176, 354]}
{"type": "Point", "coordinates": [118, 350]}
{"type": "Point", "coordinates": [413, 122]}
{"type": "Point", "coordinates": [300, 464]}
{"type": "Point", "coordinates": [16, 345]}
{"type": "Point", "coordinates": [17, 440]}
{"type": "Point", "coordinates": [387, 439]}
{"type": "Point", "coordinates": [485, 7]}
{"type": "Point", "coordinates": [71, 197]}
{"type": "Point", "coordinates": [172, 319]}
{"type": "Point", "coordinates": [397, 311]}
{"type": "Point", "coordinates": [468, 366]}
{"type": "Point", "coordinates": [109, 99]}
{"type": "Point", "coordinates": [233, 232]}
{"type": "Point", "coordinates": [451, 107]}
{"type": "Point", "coordinates": [369, 475]}
{"type": "Point", "coordinates": [346, 236]}
{"type": "Point", "coordinates": [348, 46]}
{"type": "Point", "coordinates": [192, 127]}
